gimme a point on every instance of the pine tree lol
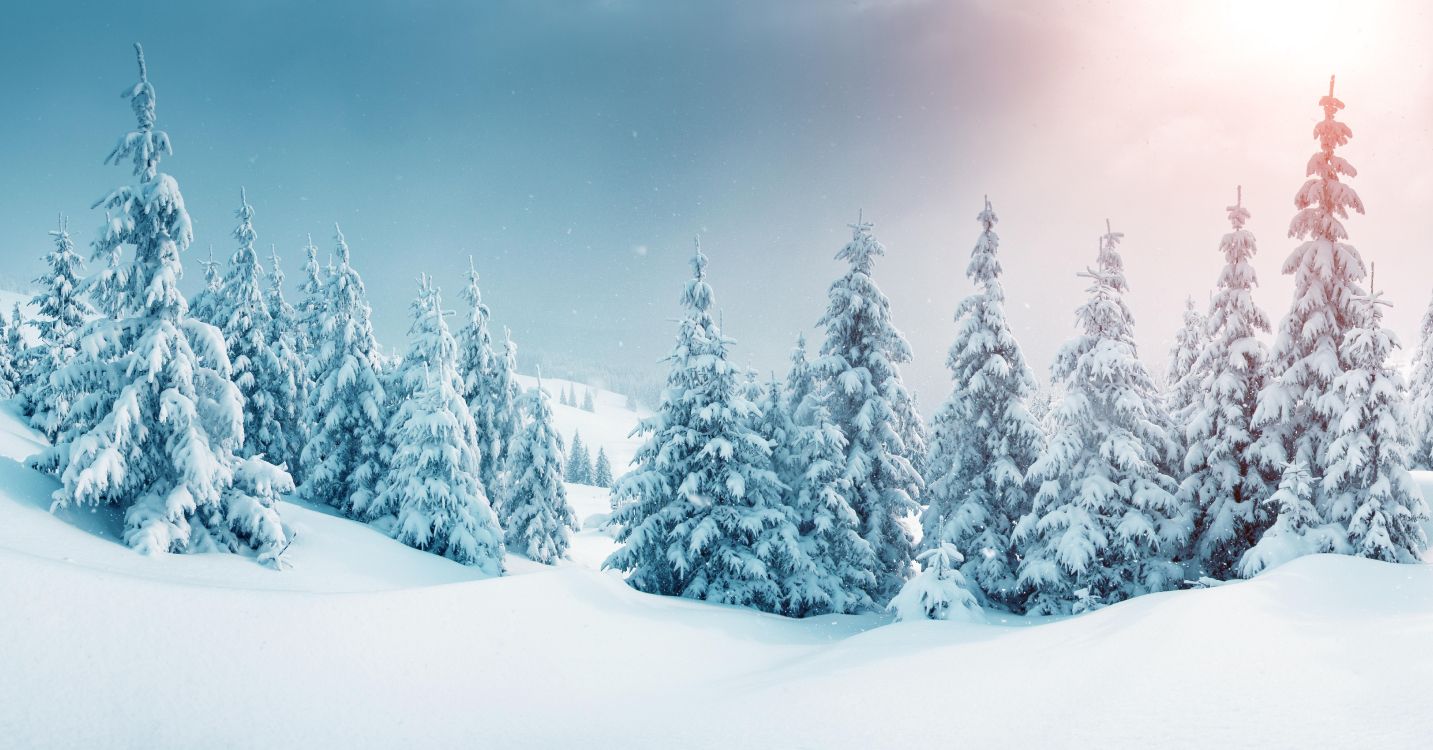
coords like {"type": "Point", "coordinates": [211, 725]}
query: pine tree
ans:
{"type": "Point", "coordinates": [1222, 479]}
{"type": "Point", "coordinates": [205, 306]}
{"type": "Point", "coordinates": [1105, 525]}
{"type": "Point", "coordinates": [342, 460]}
{"type": "Point", "coordinates": [1367, 483]}
{"type": "Point", "coordinates": [290, 384]}
{"type": "Point", "coordinates": [701, 515]}
{"type": "Point", "coordinates": [811, 461]}
{"type": "Point", "coordinates": [1183, 379]}
{"type": "Point", "coordinates": [587, 404]}
{"type": "Point", "coordinates": [431, 361]}
{"type": "Point", "coordinates": [1420, 395]}
{"type": "Point", "coordinates": [313, 302]}
{"type": "Point", "coordinates": [10, 355]}
{"type": "Point", "coordinates": [241, 313]}
{"type": "Point", "coordinates": [602, 472]}
{"type": "Point", "coordinates": [939, 591]}
{"type": "Point", "coordinates": [478, 364]}
{"type": "Point", "coordinates": [1297, 529]}
{"type": "Point", "coordinates": [506, 397]}
{"type": "Point", "coordinates": [579, 462]}
{"type": "Point", "coordinates": [62, 313]}
{"type": "Point", "coordinates": [535, 510]}
{"type": "Point", "coordinates": [984, 439]}
{"type": "Point", "coordinates": [885, 448]}
{"type": "Point", "coordinates": [434, 487]}
{"type": "Point", "coordinates": [156, 419]}
{"type": "Point", "coordinates": [1300, 405]}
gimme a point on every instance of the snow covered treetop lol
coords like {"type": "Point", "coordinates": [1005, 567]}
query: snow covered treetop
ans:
{"type": "Point", "coordinates": [146, 144]}
{"type": "Point", "coordinates": [1110, 267]}
{"type": "Point", "coordinates": [697, 295]}
{"type": "Point", "coordinates": [1324, 199]}
{"type": "Point", "coordinates": [862, 248]}
{"type": "Point", "coordinates": [984, 267]}
{"type": "Point", "coordinates": [1238, 215]}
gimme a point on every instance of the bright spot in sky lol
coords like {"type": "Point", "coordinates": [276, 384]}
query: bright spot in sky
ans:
{"type": "Point", "coordinates": [639, 251]}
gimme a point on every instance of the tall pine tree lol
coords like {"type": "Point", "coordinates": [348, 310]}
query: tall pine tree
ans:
{"type": "Point", "coordinates": [536, 514]}
{"type": "Point", "coordinates": [885, 438]}
{"type": "Point", "coordinates": [1222, 479]}
{"type": "Point", "coordinates": [290, 384]}
{"type": "Point", "coordinates": [702, 515]}
{"type": "Point", "coordinates": [1106, 525]}
{"type": "Point", "coordinates": [984, 439]}
{"type": "Point", "coordinates": [157, 420]}
{"type": "Point", "coordinates": [478, 364]}
{"type": "Point", "coordinates": [62, 312]}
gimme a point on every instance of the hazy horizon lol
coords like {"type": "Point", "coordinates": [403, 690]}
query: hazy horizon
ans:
{"type": "Point", "coordinates": [574, 150]}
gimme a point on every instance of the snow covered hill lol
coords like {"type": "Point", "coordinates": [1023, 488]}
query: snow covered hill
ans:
{"type": "Point", "coordinates": [367, 643]}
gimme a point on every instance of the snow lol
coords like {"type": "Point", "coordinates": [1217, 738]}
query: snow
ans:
{"type": "Point", "coordinates": [365, 642]}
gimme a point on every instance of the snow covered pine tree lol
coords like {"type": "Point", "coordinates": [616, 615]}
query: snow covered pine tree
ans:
{"type": "Point", "coordinates": [1420, 395]}
{"type": "Point", "coordinates": [535, 510]}
{"type": "Point", "coordinates": [290, 384]}
{"type": "Point", "coordinates": [885, 437]}
{"type": "Point", "coordinates": [939, 591]}
{"type": "Point", "coordinates": [157, 420]}
{"type": "Point", "coordinates": [478, 364]}
{"type": "Point", "coordinates": [1105, 526]}
{"type": "Point", "coordinates": [579, 462]}
{"type": "Point", "coordinates": [1222, 479]}
{"type": "Point", "coordinates": [602, 471]}
{"type": "Point", "coordinates": [701, 515]}
{"type": "Point", "coordinates": [62, 312]}
{"type": "Point", "coordinates": [984, 439]}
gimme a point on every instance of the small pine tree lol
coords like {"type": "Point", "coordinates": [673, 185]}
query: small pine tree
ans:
{"type": "Point", "coordinates": [313, 302]}
{"type": "Point", "coordinates": [587, 404]}
{"type": "Point", "coordinates": [434, 488]}
{"type": "Point", "coordinates": [10, 356]}
{"type": "Point", "coordinates": [1420, 395]}
{"type": "Point", "coordinates": [290, 383]}
{"type": "Point", "coordinates": [62, 313]}
{"type": "Point", "coordinates": [535, 511]}
{"type": "Point", "coordinates": [602, 472]}
{"type": "Point", "coordinates": [342, 460]}
{"type": "Point", "coordinates": [885, 437]}
{"type": "Point", "coordinates": [206, 303]}
{"type": "Point", "coordinates": [984, 438]}
{"type": "Point", "coordinates": [156, 419]}
{"type": "Point", "coordinates": [1369, 490]}
{"type": "Point", "coordinates": [506, 398]}
{"type": "Point", "coordinates": [1183, 379]}
{"type": "Point", "coordinates": [1222, 479]}
{"type": "Point", "coordinates": [1105, 525]}
{"type": "Point", "coordinates": [1298, 529]}
{"type": "Point", "coordinates": [939, 591]}
{"type": "Point", "coordinates": [579, 462]}
{"type": "Point", "coordinates": [478, 364]}
{"type": "Point", "coordinates": [701, 515]}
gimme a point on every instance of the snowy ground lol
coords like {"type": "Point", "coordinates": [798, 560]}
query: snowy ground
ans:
{"type": "Point", "coordinates": [366, 643]}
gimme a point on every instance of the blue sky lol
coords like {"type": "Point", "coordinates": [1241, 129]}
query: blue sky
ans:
{"type": "Point", "coordinates": [574, 149]}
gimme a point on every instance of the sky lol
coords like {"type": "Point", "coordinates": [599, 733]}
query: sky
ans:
{"type": "Point", "coordinates": [575, 149]}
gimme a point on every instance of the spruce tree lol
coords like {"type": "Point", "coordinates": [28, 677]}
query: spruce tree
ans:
{"type": "Point", "coordinates": [885, 438]}
{"type": "Point", "coordinates": [939, 592]}
{"type": "Point", "coordinates": [342, 460]}
{"type": "Point", "coordinates": [505, 397]}
{"type": "Point", "coordinates": [1223, 481]}
{"type": "Point", "coordinates": [702, 515]}
{"type": "Point", "coordinates": [1105, 525]}
{"type": "Point", "coordinates": [984, 439]}
{"type": "Point", "coordinates": [1183, 379]}
{"type": "Point", "coordinates": [156, 419]}
{"type": "Point", "coordinates": [812, 465]}
{"type": "Point", "coordinates": [313, 301]}
{"type": "Point", "coordinates": [1367, 484]}
{"type": "Point", "coordinates": [431, 361]}
{"type": "Point", "coordinates": [587, 404]}
{"type": "Point", "coordinates": [242, 314]}
{"type": "Point", "coordinates": [1299, 407]}
{"type": "Point", "coordinates": [1420, 395]}
{"type": "Point", "coordinates": [290, 384]}
{"type": "Point", "coordinates": [535, 510]}
{"type": "Point", "coordinates": [579, 462]}
{"type": "Point", "coordinates": [205, 305]}
{"type": "Point", "coordinates": [62, 313]}
{"type": "Point", "coordinates": [602, 471]}
{"type": "Point", "coordinates": [478, 364]}
{"type": "Point", "coordinates": [10, 356]}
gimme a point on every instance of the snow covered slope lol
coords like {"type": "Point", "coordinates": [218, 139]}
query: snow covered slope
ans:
{"type": "Point", "coordinates": [366, 643]}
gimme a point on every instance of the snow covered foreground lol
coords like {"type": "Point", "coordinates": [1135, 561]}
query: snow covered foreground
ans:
{"type": "Point", "coordinates": [367, 643]}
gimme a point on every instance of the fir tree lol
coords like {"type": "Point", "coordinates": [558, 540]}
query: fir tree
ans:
{"type": "Point", "coordinates": [939, 591]}
{"type": "Point", "coordinates": [242, 314]}
{"type": "Point", "coordinates": [506, 397]}
{"type": "Point", "coordinates": [342, 460]}
{"type": "Point", "coordinates": [62, 313]}
{"type": "Point", "coordinates": [984, 439]}
{"type": "Point", "coordinates": [434, 488]}
{"type": "Point", "coordinates": [1183, 379]}
{"type": "Point", "coordinates": [535, 510]}
{"type": "Point", "coordinates": [587, 404]}
{"type": "Point", "coordinates": [579, 462]}
{"type": "Point", "coordinates": [885, 438]}
{"type": "Point", "coordinates": [602, 471]}
{"type": "Point", "coordinates": [1420, 395]}
{"type": "Point", "coordinates": [156, 419]}
{"type": "Point", "coordinates": [478, 364]}
{"type": "Point", "coordinates": [1298, 528]}
{"type": "Point", "coordinates": [812, 461]}
{"type": "Point", "coordinates": [701, 515]}
{"type": "Point", "coordinates": [1299, 407]}
{"type": "Point", "coordinates": [205, 305]}
{"type": "Point", "coordinates": [1105, 525]}
{"type": "Point", "coordinates": [1222, 479]}
{"type": "Point", "coordinates": [1367, 484]}
{"type": "Point", "coordinates": [290, 383]}
{"type": "Point", "coordinates": [313, 301]}
{"type": "Point", "coordinates": [10, 355]}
